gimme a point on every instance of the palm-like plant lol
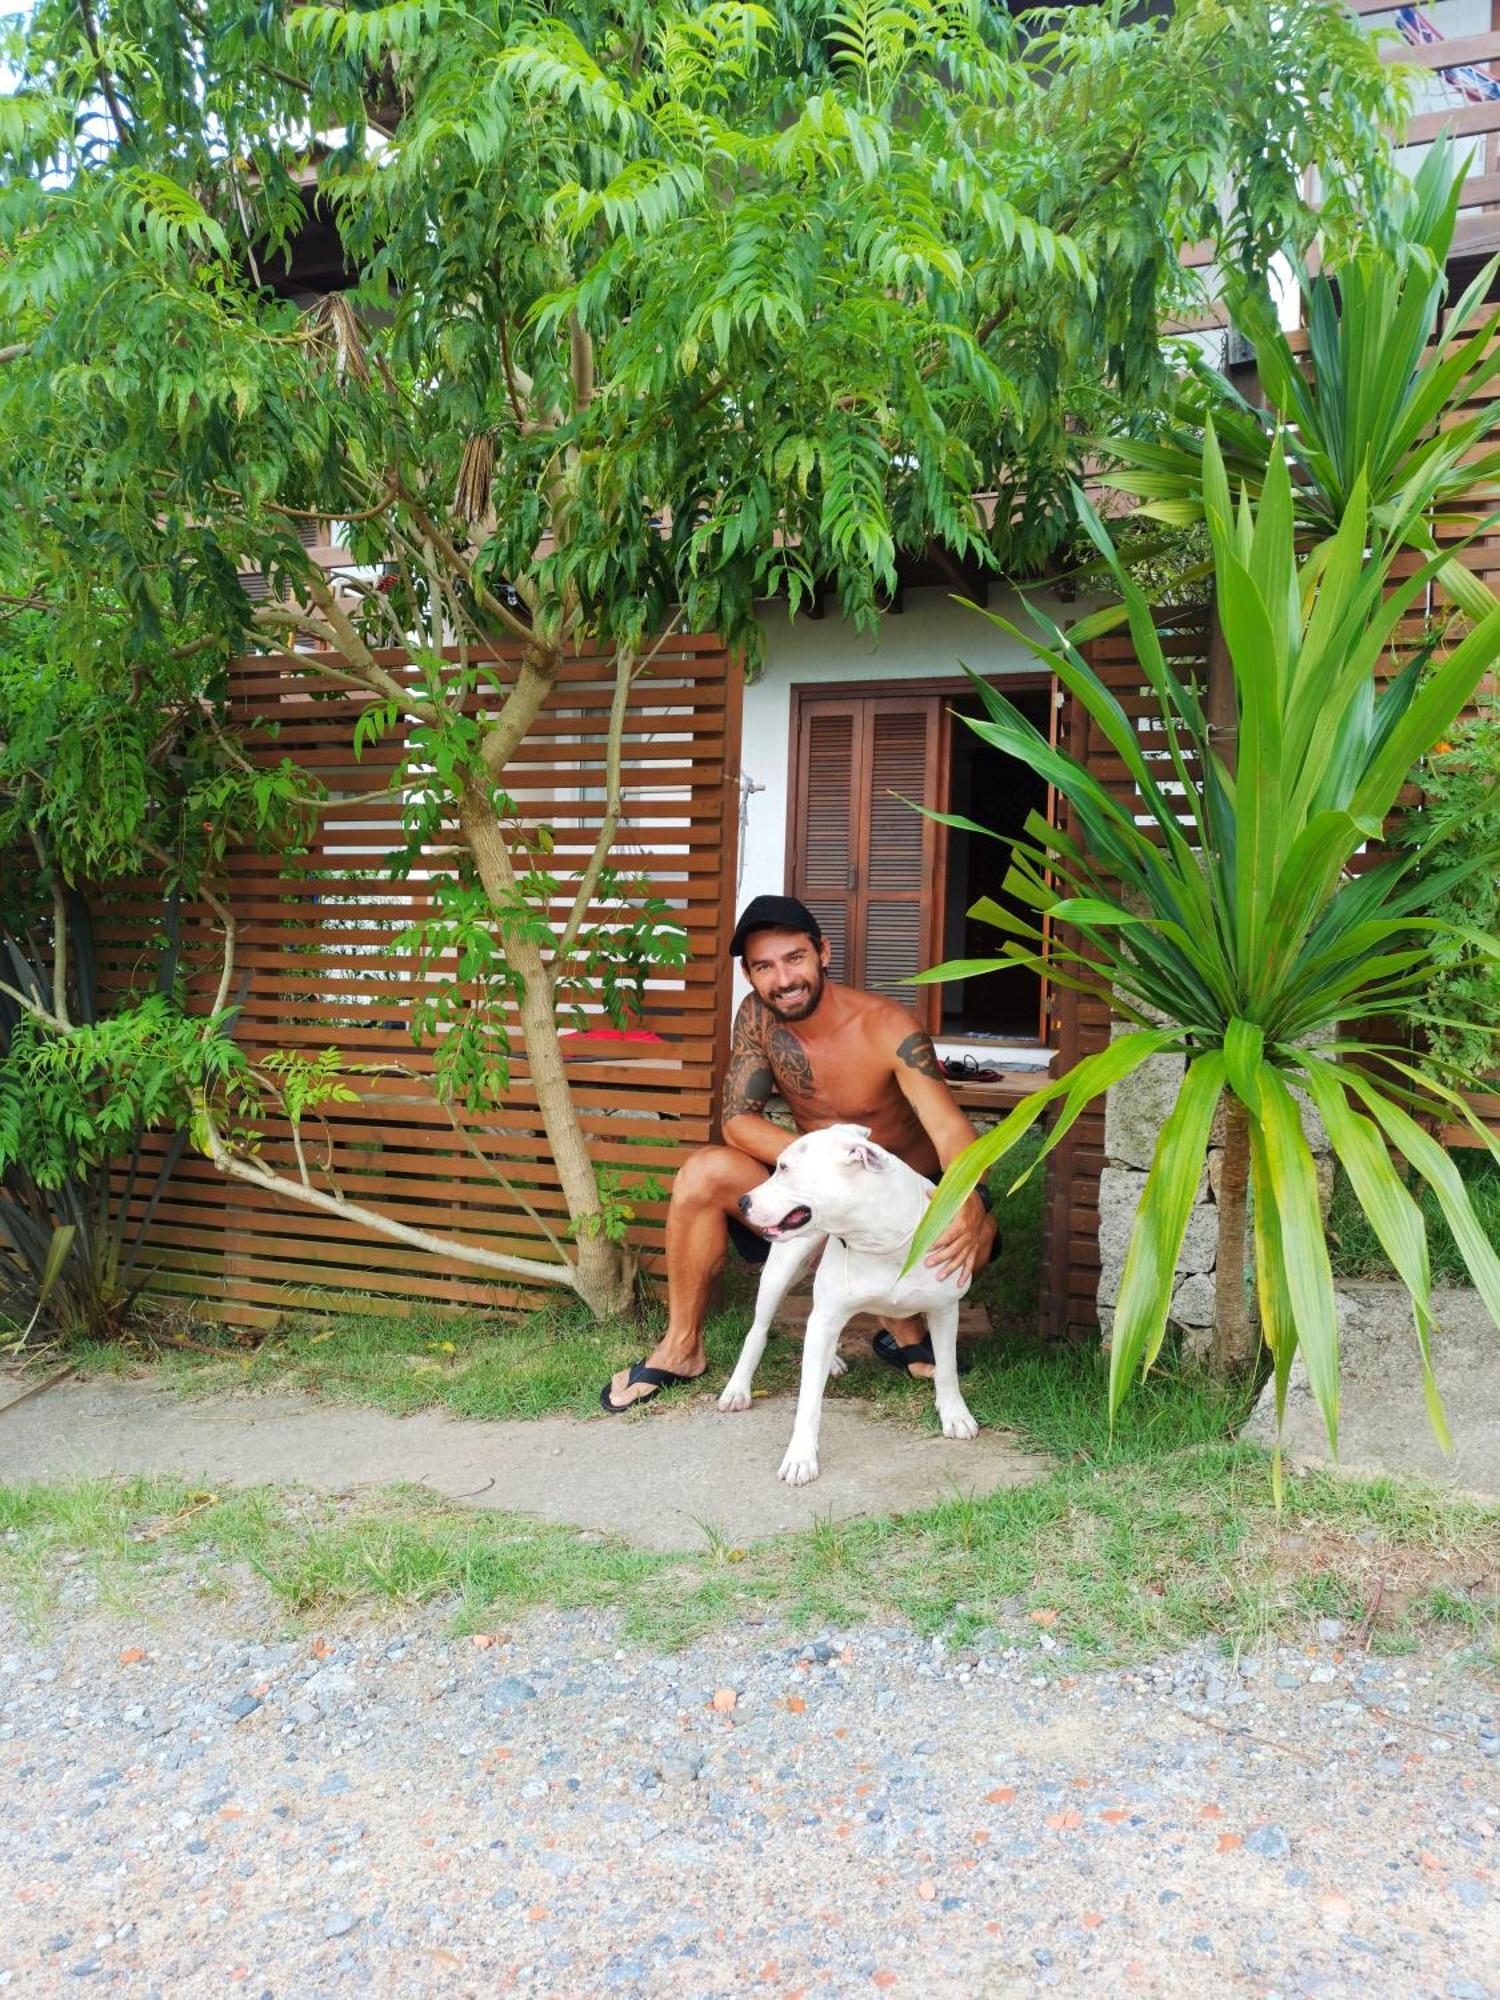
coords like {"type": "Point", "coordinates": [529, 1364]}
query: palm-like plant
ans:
{"type": "Point", "coordinates": [1383, 400]}
{"type": "Point", "coordinates": [1220, 915]}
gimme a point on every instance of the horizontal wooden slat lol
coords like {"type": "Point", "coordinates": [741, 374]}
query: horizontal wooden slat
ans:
{"type": "Point", "coordinates": [1479, 190]}
{"type": "Point", "coordinates": [1451, 53]}
{"type": "Point", "coordinates": [1476, 236]}
{"type": "Point", "coordinates": [1462, 122]}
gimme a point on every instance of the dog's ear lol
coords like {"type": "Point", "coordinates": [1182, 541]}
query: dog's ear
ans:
{"type": "Point", "coordinates": [861, 1154]}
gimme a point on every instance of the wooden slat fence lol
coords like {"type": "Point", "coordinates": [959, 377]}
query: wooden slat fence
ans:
{"type": "Point", "coordinates": [314, 955]}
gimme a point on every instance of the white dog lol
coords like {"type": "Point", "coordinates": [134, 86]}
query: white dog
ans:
{"type": "Point", "coordinates": [837, 1186]}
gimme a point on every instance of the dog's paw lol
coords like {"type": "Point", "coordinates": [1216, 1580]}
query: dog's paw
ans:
{"type": "Point", "coordinates": [838, 1366]}
{"type": "Point", "coordinates": [959, 1424]}
{"type": "Point", "coordinates": [735, 1396]}
{"type": "Point", "coordinates": [798, 1468]}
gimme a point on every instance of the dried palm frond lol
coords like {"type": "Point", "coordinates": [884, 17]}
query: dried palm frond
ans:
{"type": "Point", "coordinates": [471, 495]}
{"type": "Point", "coordinates": [334, 321]}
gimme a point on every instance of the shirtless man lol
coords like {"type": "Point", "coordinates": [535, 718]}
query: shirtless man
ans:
{"type": "Point", "coordinates": [836, 1056]}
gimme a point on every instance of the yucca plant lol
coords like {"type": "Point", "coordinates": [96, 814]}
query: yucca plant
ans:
{"type": "Point", "coordinates": [1382, 400]}
{"type": "Point", "coordinates": [1221, 917]}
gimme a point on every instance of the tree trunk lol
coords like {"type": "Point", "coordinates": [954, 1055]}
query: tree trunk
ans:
{"type": "Point", "coordinates": [1234, 1334]}
{"type": "Point", "coordinates": [605, 1270]}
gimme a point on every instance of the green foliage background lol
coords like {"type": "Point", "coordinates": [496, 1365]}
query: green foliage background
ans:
{"type": "Point", "coordinates": [1460, 819]}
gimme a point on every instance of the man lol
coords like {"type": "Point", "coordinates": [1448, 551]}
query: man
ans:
{"type": "Point", "coordinates": [836, 1056]}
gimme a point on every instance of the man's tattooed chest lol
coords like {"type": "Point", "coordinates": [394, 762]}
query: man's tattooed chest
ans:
{"type": "Point", "coordinates": [790, 1063]}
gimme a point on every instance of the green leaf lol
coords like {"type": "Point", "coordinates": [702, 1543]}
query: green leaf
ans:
{"type": "Point", "coordinates": [1161, 1221]}
{"type": "Point", "coordinates": [1244, 1044]}
{"type": "Point", "coordinates": [958, 968]}
{"type": "Point", "coordinates": [1393, 1215]}
{"type": "Point", "coordinates": [1292, 1188]}
{"type": "Point", "coordinates": [1277, 1318]}
{"type": "Point", "coordinates": [1440, 1174]}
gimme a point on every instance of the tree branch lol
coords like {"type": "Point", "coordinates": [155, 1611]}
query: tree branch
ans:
{"type": "Point", "coordinates": [466, 1140]}
{"type": "Point", "coordinates": [296, 1130]}
{"type": "Point", "coordinates": [59, 932]}
{"type": "Point", "coordinates": [517, 384]}
{"type": "Point", "coordinates": [255, 1174]}
{"type": "Point", "coordinates": [59, 950]}
{"type": "Point", "coordinates": [34, 1007]}
{"type": "Point", "coordinates": [106, 81]}
{"type": "Point", "coordinates": [195, 646]}
{"type": "Point", "coordinates": [343, 514]}
{"type": "Point", "coordinates": [535, 680]}
{"type": "Point", "coordinates": [1062, 224]}
{"type": "Point", "coordinates": [335, 630]}
{"type": "Point", "coordinates": [627, 673]}
{"type": "Point", "coordinates": [226, 920]}
{"type": "Point", "coordinates": [330, 803]}
{"type": "Point", "coordinates": [302, 662]}
{"type": "Point", "coordinates": [484, 597]}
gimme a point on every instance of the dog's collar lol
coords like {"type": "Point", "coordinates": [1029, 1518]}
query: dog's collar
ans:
{"type": "Point", "coordinates": [875, 1249]}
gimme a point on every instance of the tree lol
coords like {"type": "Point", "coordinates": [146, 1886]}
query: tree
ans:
{"type": "Point", "coordinates": [661, 309]}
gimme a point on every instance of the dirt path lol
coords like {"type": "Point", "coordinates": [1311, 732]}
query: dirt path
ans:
{"type": "Point", "coordinates": [204, 1804]}
{"type": "Point", "coordinates": [670, 1480]}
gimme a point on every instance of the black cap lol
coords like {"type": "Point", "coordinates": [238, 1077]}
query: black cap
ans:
{"type": "Point", "coordinates": [773, 913]}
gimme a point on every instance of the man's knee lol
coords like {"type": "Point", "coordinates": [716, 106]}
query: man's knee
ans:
{"type": "Point", "coordinates": [713, 1177]}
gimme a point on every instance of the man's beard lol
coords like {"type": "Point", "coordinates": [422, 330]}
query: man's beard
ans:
{"type": "Point", "coordinates": [799, 1009]}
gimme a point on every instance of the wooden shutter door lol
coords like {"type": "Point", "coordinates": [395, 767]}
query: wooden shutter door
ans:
{"type": "Point", "coordinates": [901, 893]}
{"type": "Point", "coordinates": [825, 824]}
{"type": "Point", "coordinates": [865, 862]}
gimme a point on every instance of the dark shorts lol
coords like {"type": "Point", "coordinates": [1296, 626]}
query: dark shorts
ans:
{"type": "Point", "coordinates": [754, 1249]}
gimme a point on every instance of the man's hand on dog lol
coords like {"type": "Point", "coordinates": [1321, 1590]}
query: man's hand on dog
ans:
{"type": "Point", "coordinates": [965, 1244]}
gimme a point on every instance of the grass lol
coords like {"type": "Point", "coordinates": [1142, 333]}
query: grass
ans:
{"type": "Point", "coordinates": [1161, 1532]}
{"type": "Point", "coordinates": [477, 1365]}
{"type": "Point", "coordinates": [1126, 1547]}
{"type": "Point", "coordinates": [1356, 1253]}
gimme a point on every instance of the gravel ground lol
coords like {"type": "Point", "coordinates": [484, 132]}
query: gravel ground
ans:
{"type": "Point", "coordinates": [199, 1804]}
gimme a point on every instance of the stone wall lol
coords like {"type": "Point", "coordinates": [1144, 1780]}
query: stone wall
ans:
{"type": "Point", "coordinates": [1134, 1112]}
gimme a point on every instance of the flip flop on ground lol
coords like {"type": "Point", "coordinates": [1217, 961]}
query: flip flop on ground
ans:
{"type": "Point", "coordinates": [657, 1379]}
{"type": "Point", "coordinates": [888, 1349]}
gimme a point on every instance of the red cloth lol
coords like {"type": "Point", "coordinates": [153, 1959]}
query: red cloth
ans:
{"type": "Point", "coordinates": [606, 1035]}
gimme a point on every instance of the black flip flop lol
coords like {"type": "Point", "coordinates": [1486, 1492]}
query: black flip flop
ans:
{"type": "Point", "coordinates": [885, 1347]}
{"type": "Point", "coordinates": [658, 1378]}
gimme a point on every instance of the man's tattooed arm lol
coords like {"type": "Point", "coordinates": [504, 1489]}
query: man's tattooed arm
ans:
{"type": "Point", "coordinates": [748, 1082]}
{"type": "Point", "coordinates": [918, 1053]}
